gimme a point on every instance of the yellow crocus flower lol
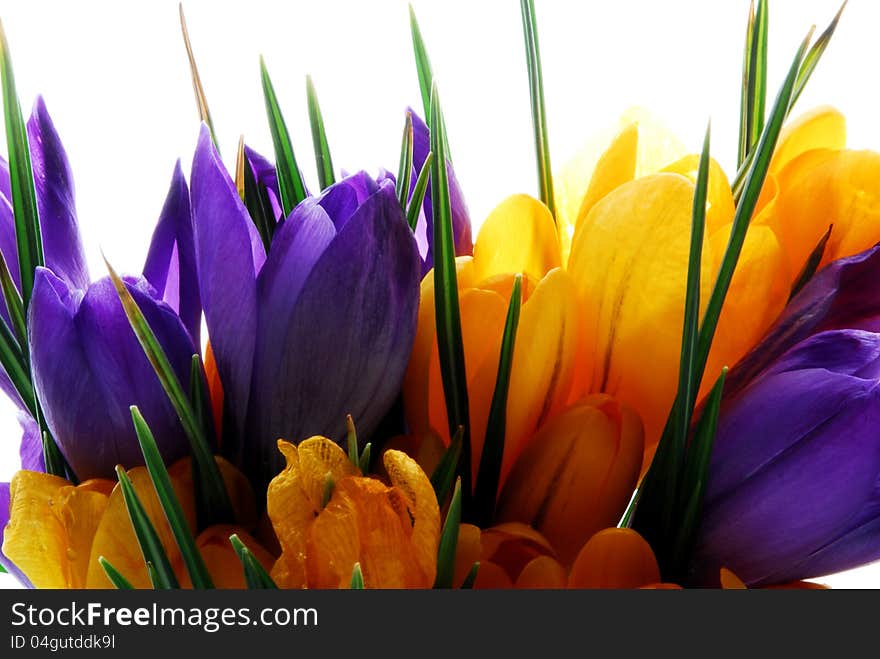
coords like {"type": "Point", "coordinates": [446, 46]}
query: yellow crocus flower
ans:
{"type": "Point", "coordinates": [392, 531]}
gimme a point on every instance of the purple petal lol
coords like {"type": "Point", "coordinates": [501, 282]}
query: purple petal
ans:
{"type": "Point", "coordinates": [229, 254]}
{"type": "Point", "coordinates": [796, 458]}
{"type": "Point", "coordinates": [4, 520]}
{"type": "Point", "coordinates": [349, 340]}
{"type": "Point", "coordinates": [461, 223]}
{"type": "Point", "coordinates": [265, 174]}
{"type": "Point", "coordinates": [55, 199]}
{"type": "Point", "coordinates": [89, 369]}
{"type": "Point", "coordinates": [171, 260]}
{"type": "Point", "coordinates": [31, 449]}
{"type": "Point", "coordinates": [844, 294]}
{"type": "Point", "coordinates": [342, 199]}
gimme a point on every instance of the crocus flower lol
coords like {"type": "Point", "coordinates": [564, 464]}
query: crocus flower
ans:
{"type": "Point", "coordinates": [392, 531]}
{"type": "Point", "coordinates": [53, 182]}
{"type": "Point", "coordinates": [630, 251]}
{"type": "Point", "coordinates": [57, 531]}
{"type": "Point", "coordinates": [89, 368]}
{"type": "Point", "coordinates": [318, 328]}
{"type": "Point", "coordinates": [615, 558]}
{"type": "Point", "coordinates": [792, 487]}
{"type": "Point", "coordinates": [518, 237]}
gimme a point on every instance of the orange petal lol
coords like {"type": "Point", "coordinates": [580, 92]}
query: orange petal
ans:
{"type": "Point", "coordinates": [616, 167]}
{"type": "Point", "coordinates": [614, 558]}
{"type": "Point", "coordinates": [519, 235]}
{"type": "Point", "coordinates": [729, 581]}
{"type": "Point", "coordinates": [51, 527]}
{"type": "Point", "coordinates": [294, 498]}
{"type": "Point", "coordinates": [467, 552]}
{"type": "Point", "coordinates": [491, 577]}
{"type": "Point", "coordinates": [661, 586]}
{"type": "Point", "coordinates": [576, 476]}
{"type": "Point", "coordinates": [512, 545]}
{"type": "Point", "coordinates": [820, 128]}
{"type": "Point", "coordinates": [542, 572]}
{"type": "Point", "coordinates": [406, 475]}
{"type": "Point", "coordinates": [215, 389]}
{"type": "Point", "coordinates": [221, 559]}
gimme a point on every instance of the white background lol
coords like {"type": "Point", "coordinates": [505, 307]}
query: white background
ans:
{"type": "Point", "coordinates": [116, 81]}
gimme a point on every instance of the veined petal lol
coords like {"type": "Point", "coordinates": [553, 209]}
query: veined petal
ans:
{"type": "Point", "coordinates": [51, 527]}
{"type": "Point", "coordinates": [31, 449]}
{"type": "Point", "coordinates": [53, 181]}
{"type": "Point", "coordinates": [171, 260]}
{"type": "Point", "coordinates": [629, 264]}
{"type": "Point", "coordinates": [363, 295]}
{"type": "Point", "coordinates": [228, 255]}
{"type": "Point", "coordinates": [518, 236]}
{"type": "Point", "coordinates": [294, 499]}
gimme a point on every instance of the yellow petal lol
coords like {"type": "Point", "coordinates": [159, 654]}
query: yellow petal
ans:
{"type": "Point", "coordinates": [549, 349]}
{"type": "Point", "coordinates": [616, 167]}
{"type": "Point", "coordinates": [518, 236]}
{"type": "Point", "coordinates": [51, 527]}
{"type": "Point", "coordinates": [822, 188]}
{"type": "Point", "coordinates": [629, 264]}
{"type": "Point", "coordinates": [221, 559]}
{"type": "Point", "coordinates": [719, 198]}
{"type": "Point", "coordinates": [406, 475]}
{"type": "Point", "coordinates": [820, 128]}
{"type": "Point", "coordinates": [576, 476]}
{"type": "Point", "coordinates": [614, 558]}
{"type": "Point", "coordinates": [758, 292]}
{"type": "Point", "coordinates": [294, 499]}
{"type": "Point", "coordinates": [415, 384]}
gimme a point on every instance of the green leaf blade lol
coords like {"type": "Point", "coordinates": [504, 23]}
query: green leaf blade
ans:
{"type": "Point", "coordinates": [115, 576]}
{"type": "Point", "coordinates": [418, 195]}
{"type": "Point", "coordinates": [290, 181]}
{"type": "Point", "coordinates": [449, 541]}
{"type": "Point", "coordinates": [324, 162]}
{"type": "Point", "coordinates": [357, 577]}
{"type": "Point", "coordinates": [404, 169]}
{"type": "Point", "coordinates": [443, 476]}
{"type": "Point", "coordinates": [423, 63]}
{"type": "Point", "coordinates": [255, 574]}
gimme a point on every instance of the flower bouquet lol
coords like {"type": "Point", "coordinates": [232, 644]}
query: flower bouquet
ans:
{"type": "Point", "coordinates": [654, 374]}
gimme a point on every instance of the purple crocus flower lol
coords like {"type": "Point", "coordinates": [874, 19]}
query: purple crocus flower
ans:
{"type": "Point", "coordinates": [62, 246]}
{"type": "Point", "coordinates": [319, 328]}
{"type": "Point", "coordinates": [31, 459]}
{"type": "Point", "coordinates": [794, 482]}
{"type": "Point", "coordinates": [89, 368]}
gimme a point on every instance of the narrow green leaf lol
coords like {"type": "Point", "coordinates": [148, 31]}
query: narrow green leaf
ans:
{"type": "Point", "coordinates": [754, 181]}
{"type": "Point", "coordinates": [471, 577]}
{"type": "Point", "coordinates": [449, 541]}
{"type": "Point", "coordinates": [814, 55]}
{"type": "Point", "coordinates": [12, 360]}
{"type": "Point", "coordinates": [119, 582]}
{"type": "Point", "coordinates": [148, 539]}
{"type": "Point", "coordinates": [423, 63]}
{"type": "Point", "coordinates": [812, 263]}
{"type": "Point", "coordinates": [696, 471]}
{"type": "Point", "coordinates": [199, 397]}
{"type": "Point", "coordinates": [55, 463]}
{"type": "Point", "coordinates": [256, 198]}
{"type": "Point", "coordinates": [754, 89]}
{"type": "Point", "coordinates": [329, 485]}
{"type": "Point", "coordinates": [489, 474]}
{"type": "Point", "coordinates": [151, 572]}
{"type": "Point", "coordinates": [216, 501]}
{"type": "Point", "coordinates": [2, 570]}
{"type": "Point", "coordinates": [404, 169]}
{"type": "Point", "coordinates": [198, 89]}
{"type": "Point", "coordinates": [351, 440]}
{"type": "Point", "coordinates": [290, 181]}
{"type": "Point", "coordinates": [255, 574]}
{"type": "Point", "coordinates": [192, 558]}
{"type": "Point", "coordinates": [539, 113]}
{"type": "Point", "coordinates": [357, 577]}
{"type": "Point", "coordinates": [28, 237]}
{"type": "Point", "coordinates": [448, 316]}
{"type": "Point", "coordinates": [14, 306]}
{"type": "Point", "coordinates": [418, 195]}
{"type": "Point", "coordinates": [443, 475]}
{"type": "Point", "coordinates": [319, 138]}
{"type": "Point", "coordinates": [364, 462]}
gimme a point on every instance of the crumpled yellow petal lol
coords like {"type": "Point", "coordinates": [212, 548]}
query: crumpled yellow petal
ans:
{"type": "Point", "coordinates": [221, 559]}
{"type": "Point", "coordinates": [822, 188]}
{"type": "Point", "coordinates": [294, 498]}
{"type": "Point", "coordinates": [576, 476]}
{"type": "Point", "coordinates": [614, 558]}
{"type": "Point", "coordinates": [406, 475]}
{"type": "Point", "coordinates": [629, 264]}
{"type": "Point", "coordinates": [51, 527]}
{"type": "Point", "coordinates": [519, 235]}
{"type": "Point", "coordinates": [369, 523]}
{"type": "Point", "coordinates": [415, 384]}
